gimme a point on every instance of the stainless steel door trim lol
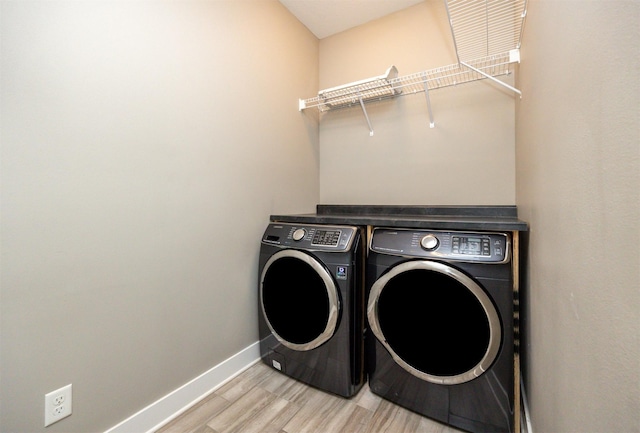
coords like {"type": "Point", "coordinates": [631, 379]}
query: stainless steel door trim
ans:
{"type": "Point", "coordinates": [495, 330]}
{"type": "Point", "coordinates": [332, 294]}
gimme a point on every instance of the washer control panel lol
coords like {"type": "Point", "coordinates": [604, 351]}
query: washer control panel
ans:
{"type": "Point", "coordinates": [450, 245]}
{"type": "Point", "coordinates": [310, 236]}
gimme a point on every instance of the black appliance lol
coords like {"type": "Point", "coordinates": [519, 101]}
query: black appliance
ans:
{"type": "Point", "coordinates": [440, 312]}
{"type": "Point", "coordinates": [311, 304]}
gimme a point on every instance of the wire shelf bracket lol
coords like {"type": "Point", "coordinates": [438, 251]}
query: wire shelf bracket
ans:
{"type": "Point", "coordinates": [487, 35]}
{"type": "Point", "coordinates": [432, 123]}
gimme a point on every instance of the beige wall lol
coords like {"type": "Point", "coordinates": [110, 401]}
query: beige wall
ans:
{"type": "Point", "coordinates": [573, 152]}
{"type": "Point", "coordinates": [144, 146]}
{"type": "Point", "coordinates": [468, 158]}
{"type": "Point", "coordinates": [135, 134]}
{"type": "Point", "coordinates": [578, 185]}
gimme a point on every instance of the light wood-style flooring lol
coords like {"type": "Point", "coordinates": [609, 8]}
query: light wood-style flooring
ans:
{"type": "Point", "coordinates": [263, 400]}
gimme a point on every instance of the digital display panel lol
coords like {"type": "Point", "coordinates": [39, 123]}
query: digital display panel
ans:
{"type": "Point", "coordinates": [470, 245]}
{"type": "Point", "coordinates": [326, 237]}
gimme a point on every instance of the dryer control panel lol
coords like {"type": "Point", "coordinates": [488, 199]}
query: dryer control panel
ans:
{"type": "Point", "coordinates": [437, 244]}
{"type": "Point", "coordinates": [310, 236]}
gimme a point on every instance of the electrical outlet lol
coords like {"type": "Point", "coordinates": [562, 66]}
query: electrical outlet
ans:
{"type": "Point", "coordinates": [57, 405]}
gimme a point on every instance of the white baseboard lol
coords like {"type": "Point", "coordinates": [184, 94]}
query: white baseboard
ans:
{"type": "Point", "coordinates": [178, 401]}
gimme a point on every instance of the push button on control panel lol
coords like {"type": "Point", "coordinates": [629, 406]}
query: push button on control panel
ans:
{"type": "Point", "coordinates": [326, 237]}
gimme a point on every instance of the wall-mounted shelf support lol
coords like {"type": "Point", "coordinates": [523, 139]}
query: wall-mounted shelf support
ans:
{"type": "Point", "coordinates": [364, 111]}
{"type": "Point", "coordinates": [426, 92]}
{"type": "Point", "coordinates": [495, 80]}
{"type": "Point", "coordinates": [502, 83]}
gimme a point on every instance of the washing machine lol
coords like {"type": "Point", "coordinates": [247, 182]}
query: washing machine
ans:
{"type": "Point", "coordinates": [311, 304]}
{"type": "Point", "coordinates": [440, 314]}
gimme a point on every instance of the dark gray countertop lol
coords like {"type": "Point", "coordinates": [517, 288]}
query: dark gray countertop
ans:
{"type": "Point", "coordinates": [489, 218]}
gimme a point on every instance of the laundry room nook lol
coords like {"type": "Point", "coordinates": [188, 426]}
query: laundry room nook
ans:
{"type": "Point", "coordinates": [319, 216]}
{"type": "Point", "coordinates": [436, 296]}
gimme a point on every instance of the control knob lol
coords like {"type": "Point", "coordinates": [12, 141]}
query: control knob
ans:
{"type": "Point", "coordinates": [299, 234]}
{"type": "Point", "coordinates": [429, 242]}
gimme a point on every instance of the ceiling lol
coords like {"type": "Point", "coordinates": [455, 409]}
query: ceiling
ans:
{"type": "Point", "coordinates": [328, 17]}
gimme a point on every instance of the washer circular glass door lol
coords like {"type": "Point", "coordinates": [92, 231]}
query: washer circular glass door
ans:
{"type": "Point", "coordinates": [299, 300]}
{"type": "Point", "coordinates": [436, 322]}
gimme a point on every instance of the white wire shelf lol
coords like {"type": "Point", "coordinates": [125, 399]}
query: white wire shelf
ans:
{"type": "Point", "coordinates": [482, 28]}
{"type": "Point", "coordinates": [489, 32]}
{"type": "Point", "coordinates": [379, 88]}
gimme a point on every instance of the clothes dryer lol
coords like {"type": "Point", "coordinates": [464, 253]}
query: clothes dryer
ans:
{"type": "Point", "coordinates": [311, 304]}
{"type": "Point", "coordinates": [440, 311]}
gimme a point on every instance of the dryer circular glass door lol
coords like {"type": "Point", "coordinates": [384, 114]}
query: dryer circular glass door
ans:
{"type": "Point", "coordinates": [299, 300]}
{"type": "Point", "coordinates": [436, 322]}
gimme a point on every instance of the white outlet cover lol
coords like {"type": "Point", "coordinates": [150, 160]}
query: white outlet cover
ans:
{"type": "Point", "coordinates": [57, 405]}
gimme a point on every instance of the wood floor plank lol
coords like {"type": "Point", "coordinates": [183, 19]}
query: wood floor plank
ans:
{"type": "Point", "coordinates": [270, 419]}
{"type": "Point", "coordinates": [204, 429]}
{"type": "Point", "coordinates": [196, 417]}
{"type": "Point", "coordinates": [290, 389]}
{"type": "Point", "coordinates": [276, 382]}
{"type": "Point", "coordinates": [248, 379]}
{"type": "Point", "coordinates": [241, 411]}
{"type": "Point", "coordinates": [337, 416]}
{"type": "Point", "coordinates": [406, 422]}
{"type": "Point", "coordinates": [357, 421]}
{"type": "Point", "coordinates": [367, 399]}
{"type": "Point", "coordinates": [263, 400]}
{"type": "Point", "coordinates": [312, 414]}
{"type": "Point", "coordinates": [390, 418]}
{"type": "Point", "coordinates": [300, 393]}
